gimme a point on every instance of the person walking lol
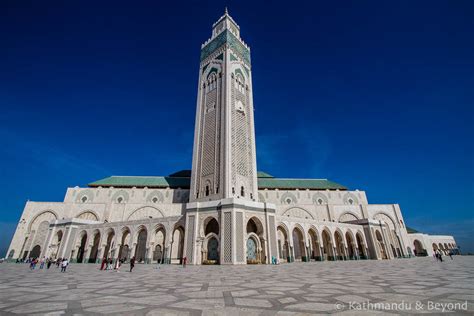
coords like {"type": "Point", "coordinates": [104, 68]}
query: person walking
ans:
{"type": "Point", "coordinates": [132, 263]}
{"type": "Point", "coordinates": [103, 264]}
{"type": "Point", "coordinates": [48, 265]}
{"type": "Point", "coordinates": [64, 265]}
{"type": "Point", "coordinates": [42, 263]}
{"type": "Point", "coordinates": [184, 262]}
{"type": "Point", "coordinates": [117, 265]}
{"type": "Point", "coordinates": [451, 255]}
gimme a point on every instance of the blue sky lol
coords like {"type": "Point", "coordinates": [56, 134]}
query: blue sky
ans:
{"type": "Point", "coordinates": [376, 96]}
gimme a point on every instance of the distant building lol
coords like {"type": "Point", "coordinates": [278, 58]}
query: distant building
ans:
{"type": "Point", "coordinates": [222, 211]}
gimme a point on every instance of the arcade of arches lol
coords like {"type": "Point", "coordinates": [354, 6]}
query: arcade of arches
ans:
{"type": "Point", "coordinates": [319, 245]}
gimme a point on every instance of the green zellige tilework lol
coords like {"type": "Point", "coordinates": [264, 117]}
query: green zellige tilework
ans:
{"type": "Point", "coordinates": [265, 181]}
{"type": "Point", "coordinates": [226, 37]}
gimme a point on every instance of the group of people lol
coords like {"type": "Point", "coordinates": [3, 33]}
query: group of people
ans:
{"type": "Point", "coordinates": [108, 262]}
{"type": "Point", "coordinates": [438, 256]}
{"type": "Point", "coordinates": [48, 262]}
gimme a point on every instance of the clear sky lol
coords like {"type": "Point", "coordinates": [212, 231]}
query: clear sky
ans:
{"type": "Point", "coordinates": [375, 95]}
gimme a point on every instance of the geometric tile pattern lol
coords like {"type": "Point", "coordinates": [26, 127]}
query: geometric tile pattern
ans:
{"type": "Point", "coordinates": [286, 289]}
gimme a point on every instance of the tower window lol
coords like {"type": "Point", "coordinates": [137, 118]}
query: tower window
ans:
{"type": "Point", "coordinates": [84, 199]}
{"type": "Point", "coordinates": [207, 190]}
{"type": "Point", "coordinates": [155, 199]}
{"type": "Point", "coordinates": [119, 200]}
{"type": "Point", "coordinates": [233, 190]}
{"type": "Point", "coordinates": [242, 191]}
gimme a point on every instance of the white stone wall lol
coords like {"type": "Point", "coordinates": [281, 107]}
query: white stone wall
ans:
{"type": "Point", "coordinates": [312, 197]}
{"type": "Point", "coordinates": [116, 207]}
{"type": "Point", "coordinates": [98, 204]}
{"type": "Point", "coordinates": [428, 241]}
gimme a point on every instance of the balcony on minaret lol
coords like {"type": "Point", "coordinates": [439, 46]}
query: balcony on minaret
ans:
{"type": "Point", "coordinates": [225, 22]}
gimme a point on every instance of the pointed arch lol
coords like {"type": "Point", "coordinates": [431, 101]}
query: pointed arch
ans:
{"type": "Point", "coordinates": [88, 215]}
{"type": "Point", "coordinates": [145, 212]}
{"type": "Point", "coordinates": [298, 212]}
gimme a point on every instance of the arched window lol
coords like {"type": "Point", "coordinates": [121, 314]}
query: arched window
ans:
{"type": "Point", "coordinates": [212, 81]}
{"type": "Point", "coordinates": [242, 191]}
{"type": "Point", "coordinates": [84, 199]}
{"type": "Point", "coordinates": [212, 227]}
{"type": "Point", "coordinates": [207, 190]}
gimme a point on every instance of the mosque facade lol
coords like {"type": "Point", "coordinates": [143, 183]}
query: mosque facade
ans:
{"type": "Point", "coordinates": [222, 211]}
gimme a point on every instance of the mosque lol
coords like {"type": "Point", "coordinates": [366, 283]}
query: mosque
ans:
{"type": "Point", "coordinates": [223, 211]}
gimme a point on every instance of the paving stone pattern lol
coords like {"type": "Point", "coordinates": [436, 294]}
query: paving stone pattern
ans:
{"type": "Point", "coordinates": [286, 289]}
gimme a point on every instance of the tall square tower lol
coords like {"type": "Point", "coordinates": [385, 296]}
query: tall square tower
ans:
{"type": "Point", "coordinates": [224, 173]}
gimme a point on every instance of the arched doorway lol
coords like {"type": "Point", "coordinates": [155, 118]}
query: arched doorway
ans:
{"type": "Point", "coordinates": [351, 246]}
{"type": "Point", "coordinates": [327, 246]}
{"type": "Point", "coordinates": [361, 246]}
{"type": "Point", "coordinates": [177, 245]}
{"type": "Point", "coordinates": [381, 245]}
{"type": "Point", "coordinates": [315, 247]}
{"type": "Point", "coordinates": [35, 252]}
{"type": "Point", "coordinates": [213, 249]}
{"type": "Point", "coordinates": [251, 249]}
{"type": "Point", "coordinates": [283, 249]}
{"type": "Point", "coordinates": [340, 252]}
{"type": "Point", "coordinates": [158, 253]}
{"type": "Point", "coordinates": [56, 244]}
{"type": "Point", "coordinates": [124, 251]}
{"type": "Point", "coordinates": [82, 246]}
{"type": "Point", "coordinates": [109, 246]}
{"type": "Point", "coordinates": [95, 249]}
{"type": "Point", "coordinates": [140, 250]}
{"type": "Point", "coordinates": [210, 247]}
{"type": "Point", "coordinates": [255, 244]}
{"type": "Point", "coordinates": [418, 248]}
{"type": "Point", "coordinates": [298, 245]}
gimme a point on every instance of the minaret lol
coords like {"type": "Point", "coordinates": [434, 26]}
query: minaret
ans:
{"type": "Point", "coordinates": [224, 159]}
{"type": "Point", "coordinates": [223, 194]}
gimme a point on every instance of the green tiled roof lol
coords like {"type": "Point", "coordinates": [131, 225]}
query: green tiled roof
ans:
{"type": "Point", "coordinates": [182, 180]}
{"type": "Point", "coordinates": [302, 184]}
{"type": "Point", "coordinates": [411, 230]}
{"type": "Point", "coordinates": [139, 182]}
{"type": "Point", "coordinates": [261, 174]}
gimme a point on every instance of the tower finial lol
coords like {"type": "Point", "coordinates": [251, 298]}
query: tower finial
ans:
{"type": "Point", "coordinates": [226, 11]}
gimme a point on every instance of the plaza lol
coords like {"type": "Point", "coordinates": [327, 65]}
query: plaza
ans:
{"type": "Point", "coordinates": [222, 211]}
{"type": "Point", "coordinates": [340, 287]}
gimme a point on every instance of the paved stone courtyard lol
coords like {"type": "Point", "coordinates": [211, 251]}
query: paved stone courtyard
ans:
{"type": "Point", "coordinates": [287, 289]}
